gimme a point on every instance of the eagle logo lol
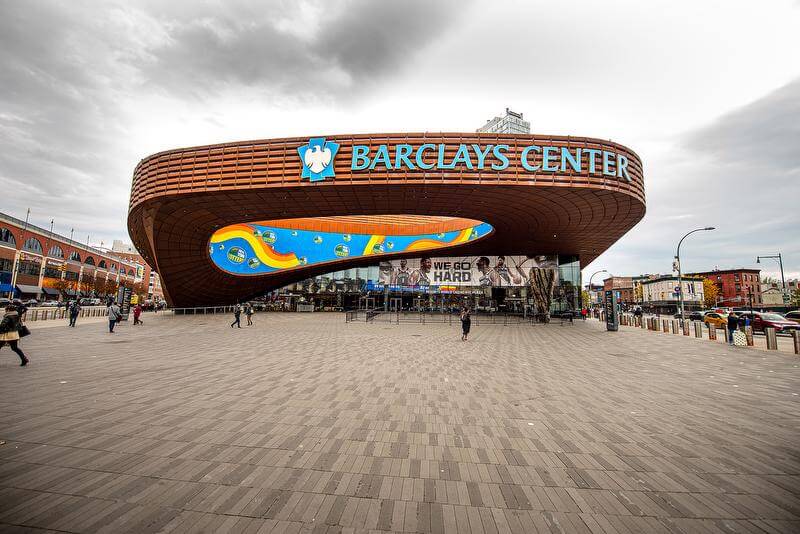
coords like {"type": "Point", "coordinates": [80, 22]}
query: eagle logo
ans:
{"type": "Point", "coordinates": [317, 157]}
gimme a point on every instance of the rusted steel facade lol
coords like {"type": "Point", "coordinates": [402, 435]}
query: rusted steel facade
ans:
{"type": "Point", "coordinates": [179, 198]}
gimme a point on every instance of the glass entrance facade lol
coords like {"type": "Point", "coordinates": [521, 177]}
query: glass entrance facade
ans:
{"type": "Point", "coordinates": [373, 285]}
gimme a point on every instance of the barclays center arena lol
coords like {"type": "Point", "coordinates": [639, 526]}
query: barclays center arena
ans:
{"type": "Point", "coordinates": [500, 221]}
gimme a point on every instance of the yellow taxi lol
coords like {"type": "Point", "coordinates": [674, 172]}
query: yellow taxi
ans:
{"type": "Point", "coordinates": [717, 319]}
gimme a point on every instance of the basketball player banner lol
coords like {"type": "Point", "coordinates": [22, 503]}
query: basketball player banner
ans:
{"type": "Point", "coordinates": [466, 271]}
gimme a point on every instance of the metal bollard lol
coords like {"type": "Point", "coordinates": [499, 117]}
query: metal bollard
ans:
{"type": "Point", "coordinates": [712, 332]}
{"type": "Point", "coordinates": [748, 334]}
{"type": "Point", "coordinates": [772, 338]}
{"type": "Point", "coordinates": [674, 326]}
{"type": "Point", "coordinates": [796, 338]}
{"type": "Point", "coordinates": [698, 329]}
{"type": "Point", "coordinates": [685, 327]}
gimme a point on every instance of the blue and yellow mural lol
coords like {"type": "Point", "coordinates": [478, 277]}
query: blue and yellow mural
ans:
{"type": "Point", "coordinates": [255, 248]}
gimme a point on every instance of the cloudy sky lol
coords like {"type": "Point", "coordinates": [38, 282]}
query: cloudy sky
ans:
{"type": "Point", "coordinates": [707, 93]}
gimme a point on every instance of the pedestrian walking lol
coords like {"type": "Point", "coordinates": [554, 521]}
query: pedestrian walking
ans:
{"type": "Point", "coordinates": [137, 312]}
{"type": "Point", "coordinates": [10, 329]}
{"type": "Point", "coordinates": [74, 310]}
{"type": "Point", "coordinates": [466, 322]}
{"type": "Point", "coordinates": [237, 316]}
{"type": "Point", "coordinates": [249, 312]}
{"type": "Point", "coordinates": [114, 315]}
{"type": "Point", "coordinates": [733, 324]}
{"type": "Point", "coordinates": [584, 313]}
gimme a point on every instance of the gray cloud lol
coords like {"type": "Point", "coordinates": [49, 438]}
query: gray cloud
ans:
{"type": "Point", "coordinates": [764, 133]}
{"type": "Point", "coordinates": [333, 48]}
{"type": "Point", "coordinates": [740, 173]}
{"type": "Point", "coordinates": [72, 73]}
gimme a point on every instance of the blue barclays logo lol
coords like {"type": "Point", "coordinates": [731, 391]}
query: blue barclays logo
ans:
{"type": "Point", "coordinates": [317, 157]}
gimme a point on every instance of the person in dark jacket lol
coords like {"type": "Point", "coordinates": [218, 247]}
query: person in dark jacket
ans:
{"type": "Point", "coordinates": [9, 332]}
{"type": "Point", "coordinates": [74, 309]}
{"type": "Point", "coordinates": [466, 322]}
{"type": "Point", "coordinates": [237, 316]}
{"type": "Point", "coordinates": [733, 324]}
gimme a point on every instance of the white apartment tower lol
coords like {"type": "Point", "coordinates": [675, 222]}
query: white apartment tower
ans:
{"type": "Point", "coordinates": [510, 123]}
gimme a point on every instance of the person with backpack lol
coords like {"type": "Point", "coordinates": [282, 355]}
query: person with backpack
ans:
{"type": "Point", "coordinates": [74, 309]}
{"type": "Point", "coordinates": [466, 322]}
{"type": "Point", "coordinates": [237, 316]}
{"type": "Point", "coordinates": [10, 332]}
{"type": "Point", "coordinates": [114, 315]}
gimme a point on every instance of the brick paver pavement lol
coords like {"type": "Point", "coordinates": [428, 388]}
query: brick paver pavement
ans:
{"type": "Point", "coordinates": [303, 423]}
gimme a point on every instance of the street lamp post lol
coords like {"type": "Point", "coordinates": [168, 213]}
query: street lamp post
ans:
{"type": "Point", "coordinates": [783, 280]}
{"type": "Point", "coordinates": [678, 258]}
{"type": "Point", "coordinates": [592, 276]}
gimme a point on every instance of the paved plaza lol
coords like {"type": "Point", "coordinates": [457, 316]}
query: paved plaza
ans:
{"type": "Point", "coordinates": [303, 423]}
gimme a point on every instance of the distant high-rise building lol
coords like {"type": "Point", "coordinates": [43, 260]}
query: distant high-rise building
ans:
{"type": "Point", "coordinates": [510, 123]}
{"type": "Point", "coordinates": [120, 246]}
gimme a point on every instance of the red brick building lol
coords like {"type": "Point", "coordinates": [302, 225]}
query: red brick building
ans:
{"type": "Point", "coordinates": [623, 285]}
{"type": "Point", "coordinates": [49, 266]}
{"type": "Point", "coordinates": [736, 286]}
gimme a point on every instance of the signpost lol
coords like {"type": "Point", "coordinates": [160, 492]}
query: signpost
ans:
{"type": "Point", "coordinates": [124, 301]}
{"type": "Point", "coordinates": [612, 317]}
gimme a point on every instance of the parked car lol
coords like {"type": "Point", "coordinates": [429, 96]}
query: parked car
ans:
{"type": "Point", "coordinates": [4, 302]}
{"type": "Point", "coordinates": [761, 320]}
{"type": "Point", "coordinates": [49, 304]}
{"type": "Point", "coordinates": [31, 303]}
{"type": "Point", "coordinates": [793, 316]}
{"type": "Point", "coordinates": [717, 319]}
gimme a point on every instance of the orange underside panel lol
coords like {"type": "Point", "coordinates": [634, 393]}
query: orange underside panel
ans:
{"type": "Point", "coordinates": [376, 224]}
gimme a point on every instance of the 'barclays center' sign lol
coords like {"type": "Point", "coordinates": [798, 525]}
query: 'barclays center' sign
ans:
{"type": "Point", "coordinates": [318, 155]}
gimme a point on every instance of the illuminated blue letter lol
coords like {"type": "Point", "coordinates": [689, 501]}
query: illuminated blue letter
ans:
{"type": "Point", "coordinates": [440, 164]}
{"type": "Point", "coordinates": [401, 156]}
{"type": "Point", "coordinates": [592, 155]}
{"type": "Point", "coordinates": [481, 155]}
{"type": "Point", "coordinates": [382, 156]}
{"type": "Point", "coordinates": [360, 158]}
{"type": "Point", "coordinates": [546, 157]}
{"type": "Point", "coordinates": [499, 153]}
{"type": "Point", "coordinates": [420, 157]}
{"type": "Point", "coordinates": [607, 162]}
{"type": "Point", "coordinates": [462, 156]}
{"type": "Point", "coordinates": [574, 162]}
{"type": "Point", "coordinates": [622, 167]}
{"type": "Point", "coordinates": [525, 165]}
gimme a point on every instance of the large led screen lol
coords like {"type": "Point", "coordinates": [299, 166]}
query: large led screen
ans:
{"type": "Point", "coordinates": [258, 248]}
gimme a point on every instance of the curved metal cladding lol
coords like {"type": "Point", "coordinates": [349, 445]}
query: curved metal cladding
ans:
{"type": "Point", "coordinates": [537, 201]}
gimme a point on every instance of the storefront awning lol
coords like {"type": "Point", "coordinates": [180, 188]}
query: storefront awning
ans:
{"type": "Point", "coordinates": [50, 291]}
{"type": "Point", "coordinates": [22, 288]}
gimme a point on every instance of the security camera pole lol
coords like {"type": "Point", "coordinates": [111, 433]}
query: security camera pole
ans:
{"type": "Point", "coordinates": [678, 261]}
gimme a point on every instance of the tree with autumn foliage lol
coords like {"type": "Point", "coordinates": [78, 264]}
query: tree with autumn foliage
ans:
{"type": "Point", "coordinates": [710, 293]}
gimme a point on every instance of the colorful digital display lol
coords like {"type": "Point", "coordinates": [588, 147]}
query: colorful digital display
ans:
{"type": "Point", "coordinates": [256, 248]}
